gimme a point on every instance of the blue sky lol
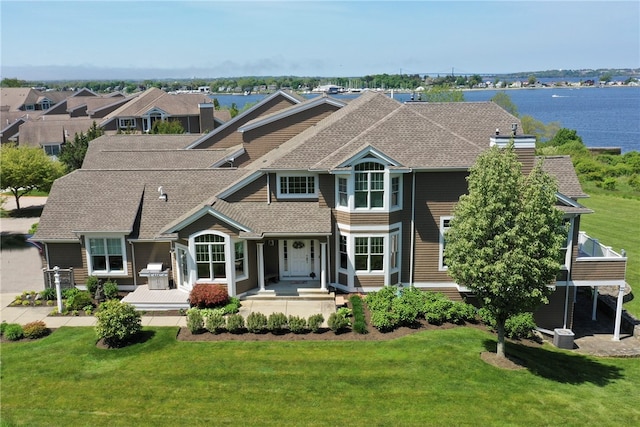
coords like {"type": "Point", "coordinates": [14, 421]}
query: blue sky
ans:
{"type": "Point", "coordinates": [183, 39]}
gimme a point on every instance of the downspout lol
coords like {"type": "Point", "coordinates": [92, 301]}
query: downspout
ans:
{"type": "Point", "coordinates": [46, 254]}
{"type": "Point", "coordinates": [413, 227]}
{"type": "Point", "coordinates": [133, 265]}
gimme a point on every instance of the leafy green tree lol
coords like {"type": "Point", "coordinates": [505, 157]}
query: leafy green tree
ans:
{"type": "Point", "coordinates": [23, 169]}
{"type": "Point", "coordinates": [12, 82]}
{"type": "Point", "coordinates": [532, 80]}
{"type": "Point", "coordinates": [233, 110]}
{"type": "Point", "coordinates": [73, 152]}
{"type": "Point", "coordinates": [505, 238]}
{"type": "Point", "coordinates": [503, 100]}
{"type": "Point", "coordinates": [167, 127]}
{"type": "Point", "coordinates": [443, 94]}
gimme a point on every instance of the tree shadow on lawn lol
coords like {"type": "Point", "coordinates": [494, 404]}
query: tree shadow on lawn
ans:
{"type": "Point", "coordinates": [144, 336]}
{"type": "Point", "coordinates": [558, 366]}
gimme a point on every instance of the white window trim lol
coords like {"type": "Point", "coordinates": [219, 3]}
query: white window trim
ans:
{"type": "Point", "coordinates": [386, 205]}
{"type": "Point", "coordinates": [441, 266]}
{"type": "Point", "coordinates": [45, 146]}
{"type": "Point", "coordinates": [245, 267]}
{"type": "Point", "coordinates": [228, 258]}
{"type": "Point", "coordinates": [385, 231]}
{"type": "Point", "coordinates": [282, 195]}
{"type": "Point", "coordinates": [100, 273]}
{"type": "Point", "coordinates": [123, 123]}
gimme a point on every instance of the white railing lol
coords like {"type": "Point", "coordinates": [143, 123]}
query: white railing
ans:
{"type": "Point", "coordinates": [592, 248]}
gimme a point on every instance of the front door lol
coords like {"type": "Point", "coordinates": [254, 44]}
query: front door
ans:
{"type": "Point", "coordinates": [299, 258]}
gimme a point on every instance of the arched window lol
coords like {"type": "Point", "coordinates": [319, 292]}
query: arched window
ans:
{"type": "Point", "coordinates": [369, 185]}
{"type": "Point", "coordinates": [210, 257]}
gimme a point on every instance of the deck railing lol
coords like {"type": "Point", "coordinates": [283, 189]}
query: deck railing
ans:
{"type": "Point", "coordinates": [66, 278]}
{"type": "Point", "coordinates": [592, 248]}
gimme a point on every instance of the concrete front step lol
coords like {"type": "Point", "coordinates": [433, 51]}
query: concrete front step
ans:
{"type": "Point", "coordinates": [304, 294]}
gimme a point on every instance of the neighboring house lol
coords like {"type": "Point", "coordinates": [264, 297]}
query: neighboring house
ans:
{"type": "Point", "coordinates": [347, 196]}
{"type": "Point", "coordinates": [194, 111]}
{"type": "Point", "coordinates": [51, 134]}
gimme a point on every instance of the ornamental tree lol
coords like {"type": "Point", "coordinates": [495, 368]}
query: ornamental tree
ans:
{"type": "Point", "coordinates": [505, 239]}
{"type": "Point", "coordinates": [23, 169]}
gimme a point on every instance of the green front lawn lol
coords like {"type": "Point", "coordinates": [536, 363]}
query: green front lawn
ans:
{"type": "Point", "coordinates": [429, 378]}
{"type": "Point", "coordinates": [615, 223]}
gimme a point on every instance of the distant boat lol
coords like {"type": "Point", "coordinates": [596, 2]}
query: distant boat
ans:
{"type": "Point", "coordinates": [247, 92]}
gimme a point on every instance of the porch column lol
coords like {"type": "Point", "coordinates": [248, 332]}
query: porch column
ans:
{"type": "Point", "coordinates": [595, 303]}
{"type": "Point", "coordinates": [261, 265]}
{"type": "Point", "coordinates": [616, 328]}
{"type": "Point", "coordinates": [323, 266]}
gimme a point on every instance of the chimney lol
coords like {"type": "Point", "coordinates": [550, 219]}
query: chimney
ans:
{"type": "Point", "coordinates": [206, 117]}
{"type": "Point", "coordinates": [524, 145]}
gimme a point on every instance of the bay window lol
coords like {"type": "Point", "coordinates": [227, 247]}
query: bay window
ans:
{"type": "Point", "coordinates": [369, 253]}
{"type": "Point", "coordinates": [369, 185]}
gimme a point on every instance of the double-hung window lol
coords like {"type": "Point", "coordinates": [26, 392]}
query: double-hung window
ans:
{"type": "Point", "coordinates": [127, 123]}
{"type": "Point", "coordinates": [210, 257]}
{"type": "Point", "coordinates": [369, 253]}
{"type": "Point", "coordinates": [240, 259]}
{"type": "Point", "coordinates": [369, 185]}
{"type": "Point", "coordinates": [106, 255]}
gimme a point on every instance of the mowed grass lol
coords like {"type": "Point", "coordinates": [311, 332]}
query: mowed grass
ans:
{"type": "Point", "coordinates": [616, 223]}
{"type": "Point", "coordinates": [429, 378]}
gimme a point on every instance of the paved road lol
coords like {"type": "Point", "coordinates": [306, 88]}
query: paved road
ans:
{"type": "Point", "coordinates": [21, 268]}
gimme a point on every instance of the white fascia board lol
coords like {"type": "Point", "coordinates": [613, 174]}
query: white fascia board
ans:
{"type": "Point", "coordinates": [567, 200]}
{"type": "Point", "coordinates": [289, 112]}
{"type": "Point", "coordinates": [366, 151]}
{"type": "Point", "coordinates": [235, 187]}
{"type": "Point", "coordinates": [227, 158]}
{"type": "Point", "coordinates": [202, 212]}
{"type": "Point", "coordinates": [238, 117]}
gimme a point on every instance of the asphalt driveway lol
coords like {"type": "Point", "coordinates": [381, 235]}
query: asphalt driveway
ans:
{"type": "Point", "coordinates": [21, 268]}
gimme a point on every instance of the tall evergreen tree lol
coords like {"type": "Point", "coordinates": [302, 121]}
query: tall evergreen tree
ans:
{"type": "Point", "coordinates": [73, 152]}
{"type": "Point", "coordinates": [506, 236]}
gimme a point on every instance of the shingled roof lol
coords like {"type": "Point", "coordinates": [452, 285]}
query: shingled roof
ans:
{"type": "Point", "coordinates": [414, 136]}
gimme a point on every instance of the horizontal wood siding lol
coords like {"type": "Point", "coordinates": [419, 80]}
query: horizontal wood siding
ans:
{"type": "Point", "coordinates": [452, 293]}
{"type": "Point", "coordinates": [326, 191]}
{"type": "Point", "coordinates": [551, 316]}
{"type": "Point", "coordinates": [252, 265]}
{"type": "Point", "coordinates": [598, 270]}
{"type": "Point", "coordinates": [526, 156]}
{"type": "Point", "coordinates": [263, 139]}
{"type": "Point", "coordinates": [229, 136]}
{"type": "Point", "coordinates": [436, 195]}
{"type": "Point", "coordinates": [207, 222]}
{"type": "Point", "coordinates": [146, 252]}
{"type": "Point", "coordinates": [407, 201]}
{"type": "Point", "coordinates": [68, 255]}
{"type": "Point", "coordinates": [369, 281]}
{"type": "Point", "coordinates": [81, 276]}
{"type": "Point", "coordinates": [253, 192]}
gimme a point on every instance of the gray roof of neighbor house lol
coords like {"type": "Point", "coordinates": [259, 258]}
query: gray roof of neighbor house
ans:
{"type": "Point", "coordinates": [51, 130]}
{"type": "Point", "coordinates": [184, 104]}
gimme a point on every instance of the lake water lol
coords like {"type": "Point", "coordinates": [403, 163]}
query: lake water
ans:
{"type": "Point", "coordinates": [603, 117]}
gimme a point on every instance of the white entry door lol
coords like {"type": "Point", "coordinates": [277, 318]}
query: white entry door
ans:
{"type": "Point", "coordinates": [299, 263]}
{"type": "Point", "coordinates": [182, 259]}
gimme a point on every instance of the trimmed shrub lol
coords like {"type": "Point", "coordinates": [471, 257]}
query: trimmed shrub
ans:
{"type": "Point", "coordinates": [37, 329]}
{"type": "Point", "coordinates": [92, 284]}
{"type": "Point", "coordinates": [208, 296]}
{"type": "Point", "coordinates": [297, 324]}
{"type": "Point", "coordinates": [3, 326]}
{"type": "Point", "coordinates": [195, 321]}
{"type": "Point", "coordinates": [69, 292]}
{"type": "Point", "coordinates": [117, 323]}
{"type": "Point", "coordinates": [520, 326]}
{"type": "Point", "coordinates": [79, 300]}
{"type": "Point", "coordinates": [359, 322]}
{"type": "Point", "coordinates": [384, 321]}
{"type": "Point", "coordinates": [436, 309]}
{"type": "Point", "coordinates": [215, 322]}
{"type": "Point", "coordinates": [235, 323]}
{"type": "Point", "coordinates": [48, 294]}
{"type": "Point", "coordinates": [110, 289]}
{"type": "Point", "coordinates": [382, 300]}
{"type": "Point", "coordinates": [256, 322]}
{"type": "Point", "coordinates": [233, 306]}
{"type": "Point", "coordinates": [461, 312]}
{"type": "Point", "coordinates": [13, 332]}
{"type": "Point", "coordinates": [277, 323]}
{"type": "Point", "coordinates": [405, 311]}
{"type": "Point", "coordinates": [338, 321]}
{"type": "Point", "coordinates": [315, 322]}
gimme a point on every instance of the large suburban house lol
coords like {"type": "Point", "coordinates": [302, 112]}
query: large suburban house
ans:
{"type": "Point", "coordinates": [343, 196]}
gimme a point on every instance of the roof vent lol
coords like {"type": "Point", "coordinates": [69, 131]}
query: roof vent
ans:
{"type": "Point", "coordinates": [163, 195]}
